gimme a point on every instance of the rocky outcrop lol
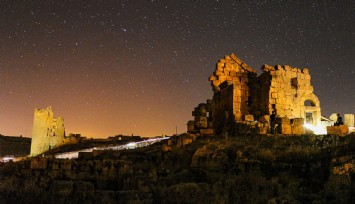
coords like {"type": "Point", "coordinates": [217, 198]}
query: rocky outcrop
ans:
{"type": "Point", "coordinates": [240, 169]}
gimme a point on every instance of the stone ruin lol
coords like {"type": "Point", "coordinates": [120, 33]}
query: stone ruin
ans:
{"type": "Point", "coordinates": [202, 123]}
{"type": "Point", "coordinates": [243, 102]}
{"type": "Point", "coordinates": [344, 129]}
{"type": "Point", "coordinates": [48, 132]}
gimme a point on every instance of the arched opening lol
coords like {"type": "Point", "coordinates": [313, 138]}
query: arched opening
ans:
{"type": "Point", "coordinates": [311, 110]}
{"type": "Point", "coordinates": [309, 103]}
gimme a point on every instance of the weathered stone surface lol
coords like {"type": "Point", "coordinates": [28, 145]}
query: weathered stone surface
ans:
{"type": "Point", "coordinates": [338, 130]}
{"type": "Point", "coordinates": [298, 130]}
{"type": "Point", "coordinates": [349, 120]}
{"type": "Point", "coordinates": [248, 118]}
{"type": "Point", "coordinates": [284, 128]}
{"type": "Point", "coordinates": [185, 140]}
{"type": "Point", "coordinates": [202, 119]}
{"type": "Point", "coordinates": [283, 120]}
{"type": "Point", "coordinates": [239, 95]}
{"type": "Point", "coordinates": [48, 132]}
{"type": "Point", "coordinates": [206, 131]}
{"type": "Point", "coordinates": [334, 117]}
{"type": "Point", "coordinates": [297, 121]}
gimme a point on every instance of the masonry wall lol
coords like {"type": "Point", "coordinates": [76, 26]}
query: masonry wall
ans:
{"type": "Point", "coordinates": [230, 83]}
{"type": "Point", "coordinates": [241, 97]}
{"type": "Point", "coordinates": [289, 89]}
{"type": "Point", "coordinates": [48, 132]}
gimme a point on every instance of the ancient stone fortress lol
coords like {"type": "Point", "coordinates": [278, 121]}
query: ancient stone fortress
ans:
{"type": "Point", "coordinates": [48, 132]}
{"type": "Point", "coordinates": [243, 102]}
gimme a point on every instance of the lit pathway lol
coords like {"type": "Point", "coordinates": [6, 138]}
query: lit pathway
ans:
{"type": "Point", "coordinates": [132, 145]}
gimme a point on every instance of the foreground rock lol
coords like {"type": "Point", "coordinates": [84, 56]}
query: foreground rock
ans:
{"type": "Point", "coordinates": [240, 169]}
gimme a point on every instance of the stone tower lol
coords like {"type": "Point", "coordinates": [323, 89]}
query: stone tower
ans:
{"type": "Point", "coordinates": [232, 93]}
{"type": "Point", "coordinates": [47, 132]}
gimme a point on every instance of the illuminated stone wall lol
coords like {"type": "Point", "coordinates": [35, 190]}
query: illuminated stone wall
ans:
{"type": "Point", "coordinates": [230, 83]}
{"type": "Point", "coordinates": [349, 120]}
{"type": "Point", "coordinates": [239, 94]}
{"type": "Point", "coordinates": [288, 92]}
{"type": "Point", "coordinates": [48, 132]}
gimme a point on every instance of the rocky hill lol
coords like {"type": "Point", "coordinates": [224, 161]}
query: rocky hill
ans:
{"type": "Point", "coordinates": [185, 169]}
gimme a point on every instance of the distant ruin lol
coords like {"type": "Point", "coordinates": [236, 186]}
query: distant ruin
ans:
{"type": "Point", "coordinates": [243, 102]}
{"type": "Point", "coordinates": [48, 132]}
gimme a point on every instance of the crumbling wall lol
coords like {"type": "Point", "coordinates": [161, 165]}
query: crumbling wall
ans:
{"type": "Point", "coordinates": [48, 132]}
{"type": "Point", "coordinates": [290, 94]}
{"type": "Point", "coordinates": [202, 123]}
{"type": "Point", "coordinates": [241, 100]}
{"type": "Point", "coordinates": [230, 83]}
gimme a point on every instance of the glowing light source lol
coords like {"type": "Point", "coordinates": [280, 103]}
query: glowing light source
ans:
{"type": "Point", "coordinates": [318, 130]}
{"type": "Point", "coordinates": [131, 145]}
{"type": "Point", "coordinates": [6, 158]}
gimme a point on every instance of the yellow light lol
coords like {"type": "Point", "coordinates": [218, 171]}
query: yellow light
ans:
{"type": "Point", "coordinates": [317, 130]}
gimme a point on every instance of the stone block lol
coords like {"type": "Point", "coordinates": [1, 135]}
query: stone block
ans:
{"type": "Point", "coordinates": [264, 119]}
{"type": "Point", "coordinates": [248, 118]}
{"type": "Point", "coordinates": [262, 128]}
{"type": "Point", "coordinates": [273, 95]}
{"type": "Point", "coordinates": [298, 130]}
{"type": "Point", "coordinates": [297, 121]}
{"type": "Point", "coordinates": [284, 129]}
{"type": "Point", "coordinates": [287, 68]}
{"type": "Point", "coordinates": [201, 123]}
{"type": "Point", "coordinates": [208, 131]}
{"type": "Point", "coordinates": [39, 163]}
{"type": "Point", "coordinates": [184, 140]}
{"type": "Point", "coordinates": [220, 65]}
{"type": "Point", "coordinates": [283, 120]}
{"type": "Point", "coordinates": [349, 120]}
{"type": "Point", "coordinates": [338, 130]}
{"type": "Point", "coordinates": [212, 78]}
{"type": "Point", "coordinates": [190, 125]}
{"type": "Point", "coordinates": [333, 117]}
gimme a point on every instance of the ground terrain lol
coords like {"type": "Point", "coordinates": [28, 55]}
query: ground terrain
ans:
{"type": "Point", "coordinates": [187, 169]}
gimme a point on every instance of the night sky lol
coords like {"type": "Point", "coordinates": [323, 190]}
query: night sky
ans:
{"type": "Point", "coordinates": [123, 67]}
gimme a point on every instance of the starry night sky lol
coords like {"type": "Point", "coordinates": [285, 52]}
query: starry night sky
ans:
{"type": "Point", "coordinates": [123, 67]}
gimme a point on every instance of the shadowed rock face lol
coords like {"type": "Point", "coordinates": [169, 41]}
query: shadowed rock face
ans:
{"type": "Point", "coordinates": [242, 169]}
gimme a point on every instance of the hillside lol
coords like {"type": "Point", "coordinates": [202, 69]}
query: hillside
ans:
{"type": "Point", "coordinates": [183, 169]}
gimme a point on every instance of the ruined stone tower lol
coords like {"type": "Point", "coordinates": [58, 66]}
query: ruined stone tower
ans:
{"type": "Point", "coordinates": [47, 132]}
{"type": "Point", "coordinates": [230, 83]}
{"type": "Point", "coordinates": [243, 102]}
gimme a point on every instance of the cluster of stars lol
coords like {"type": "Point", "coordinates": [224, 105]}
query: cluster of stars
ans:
{"type": "Point", "coordinates": [123, 67]}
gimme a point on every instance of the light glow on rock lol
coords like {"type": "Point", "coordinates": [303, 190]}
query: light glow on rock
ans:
{"type": "Point", "coordinates": [317, 130]}
{"type": "Point", "coordinates": [131, 145]}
